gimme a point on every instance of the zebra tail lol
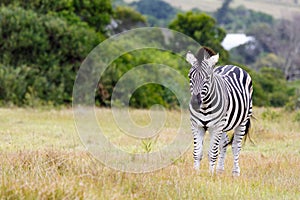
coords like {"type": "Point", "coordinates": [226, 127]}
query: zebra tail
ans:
{"type": "Point", "coordinates": [247, 133]}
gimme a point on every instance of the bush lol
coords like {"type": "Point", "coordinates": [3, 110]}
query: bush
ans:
{"type": "Point", "coordinates": [271, 88]}
{"type": "Point", "coordinates": [148, 94]}
{"type": "Point", "coordinates": [96, 13]}
{"type": "Point", "coordinates": [12, 91]}
{"type": "Point", "coordinates": [297, 117]}
{"type": "Point", "coordinates": [41, 52]}
{"type": "Point", "coordinates": [270, 115]}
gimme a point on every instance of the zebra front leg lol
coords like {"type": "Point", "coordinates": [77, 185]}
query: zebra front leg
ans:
{"type": "Point", "coordinates": [239, 133]}
{"type": "Point", "coordinates": [214, 150]}
{"type": "Point", "coordinates": [198, 134]}
{"type": "Point", "coordinates": [223, 147]}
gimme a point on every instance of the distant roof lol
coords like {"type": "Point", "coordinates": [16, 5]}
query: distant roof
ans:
{"type": "Point", "coordinates": [235, 39]}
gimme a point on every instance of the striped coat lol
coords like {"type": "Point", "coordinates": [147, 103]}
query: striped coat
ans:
{"type": "Point", "coordinates": [221, 101]}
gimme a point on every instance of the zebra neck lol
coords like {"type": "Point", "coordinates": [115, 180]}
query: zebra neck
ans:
{"type": "Point", "coordinates": [216, 93]}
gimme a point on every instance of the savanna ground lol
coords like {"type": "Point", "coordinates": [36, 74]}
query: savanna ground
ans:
{"type": "Point", "coordinates": [42, 158]}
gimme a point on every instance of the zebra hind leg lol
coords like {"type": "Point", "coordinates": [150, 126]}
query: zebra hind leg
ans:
{"type": "Point", "coordinates": [223, 147]}
{"type": "Point", "coordinates": [239, 133]}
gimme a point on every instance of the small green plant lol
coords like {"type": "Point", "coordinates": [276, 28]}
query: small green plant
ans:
{"type": "Point", "coordinates": [148, 144]}
{"type": "Point", "coordinates": [297, 117]}
{"type": "Point", "coordinates": [270, 115]}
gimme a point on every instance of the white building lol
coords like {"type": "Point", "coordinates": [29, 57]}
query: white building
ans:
{"type": "Point", "coordinates": [235, 39]}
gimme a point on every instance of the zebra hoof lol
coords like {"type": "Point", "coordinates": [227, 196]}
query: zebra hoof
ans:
{"type": "Point", "coordinates": [197, 166]}
{"type": "Point", "coordinates": [220, 171]}
{"type": "Point", "coordinates": [235, 174]}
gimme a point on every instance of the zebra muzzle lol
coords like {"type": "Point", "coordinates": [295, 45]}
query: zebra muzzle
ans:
{"type": "Point", "coordinates": [196, 101]}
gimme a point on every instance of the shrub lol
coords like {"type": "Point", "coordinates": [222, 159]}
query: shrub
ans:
{"type": "Point", "coordinates": [297, 117]}
{"type": "Point", "coordinates": [96, 13]}
{"type": "Point", "coordinates": [271, 88]}
{"type": "Point", "coordinates": [41, 52]}
{"type": "Point", "coordinates": [270, 115]}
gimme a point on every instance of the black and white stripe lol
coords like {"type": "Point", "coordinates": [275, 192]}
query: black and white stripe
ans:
{"type": "Point", "coordinates": [221, 101]}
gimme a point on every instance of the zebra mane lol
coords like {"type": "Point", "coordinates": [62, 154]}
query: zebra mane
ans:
{"type": "Point", "coordinates": [204, 53]}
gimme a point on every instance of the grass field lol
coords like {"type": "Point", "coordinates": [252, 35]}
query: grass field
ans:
{"type": "Point", "coordinates": [276, 8]}
{"type": "Point", "coordinates": [42, 158]}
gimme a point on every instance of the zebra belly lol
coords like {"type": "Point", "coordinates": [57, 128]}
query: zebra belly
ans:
{"type": "Point", "coordinates": [237, 113]}
{"type": "Point", "coordinates": [211, 121]}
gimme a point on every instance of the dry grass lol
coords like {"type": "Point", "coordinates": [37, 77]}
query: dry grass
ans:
{"type": "Point", "coordinates": [277, 8]}
{"type": "Point", "coordinates": [42, 158]}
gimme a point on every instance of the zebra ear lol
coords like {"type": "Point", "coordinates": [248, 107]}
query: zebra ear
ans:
{"type": "Point", "coordinates": [213, 60]}
{"type": "Point", "coordinates": [204, 53]}
{"type": "Point", "coordinates": [190, 58]}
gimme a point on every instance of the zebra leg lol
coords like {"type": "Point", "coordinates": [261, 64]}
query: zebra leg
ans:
{"type": "Point", "coordinates": [198, 134]}
{"type": "Point", "coordinates": [223, 147]}
{"type": "Point", "coordinates": [239, 133]}
{"type": "Point", "coordinates": [214, 150]}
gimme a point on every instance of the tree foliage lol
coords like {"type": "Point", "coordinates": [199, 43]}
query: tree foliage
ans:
{"type": "Point", "coordinates": [43, 42]}
{"type": "Point", "coordinates": [222, 12]}
{"type": "Point", "coordinates": [240, 19]}
{"type": "Point", "coordinates": [149, 94]}
{"type": "Point", "coordinates": [127, 18]}
{"type": "Point", "coordinates": [158, 12]}
{"type": "Point", "coordinates": [281, 39]}
{"type": "Point", "coordinates": [95, 13]}
{"type": "Point", "coordinates": [270, 87]}
{"type": "Point", "coordinates": [42, 52]}
{"type": "Point", "coordinates": [203, 29]}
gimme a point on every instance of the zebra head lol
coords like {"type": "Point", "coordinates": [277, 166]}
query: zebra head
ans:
{"type": "Point", "coordinates": [200, 73]}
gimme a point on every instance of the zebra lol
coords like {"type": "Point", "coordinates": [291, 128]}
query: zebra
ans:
{"type": "Point", "coordinates": [221, 100]}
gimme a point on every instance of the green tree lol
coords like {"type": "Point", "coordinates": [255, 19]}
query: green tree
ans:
{"type": "Point", "coordinates": [158, 12]}
{"type": "Point", "coordinates": [46, 50]}
{"type": "Point", "coordinates": [41, 6]}
{"type": "Point", "coordinates": [202, 28]}
{"type": "Point", "coordinates": [281, 39]}
{"type": "Point", "coordinates": [239, 19]}
{"type": "Point", "coordinates": [148, 94]}
{"type": "Point", "coordinates": [96, 13]}
{"type": "Point", "coordinates": [269, 60]}
{"type": "Point", "coordinates": [127, 18]}
{"type": "Point", "coordinates": [221, 13]}
{"type": "Point", "coordinates": [271, 88]}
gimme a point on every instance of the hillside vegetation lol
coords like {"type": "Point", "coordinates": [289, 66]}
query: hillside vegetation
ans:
{"type": "Point", "coordinates": [43, 47]}
{"type": "Point", "coordinates": [278, 9]}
